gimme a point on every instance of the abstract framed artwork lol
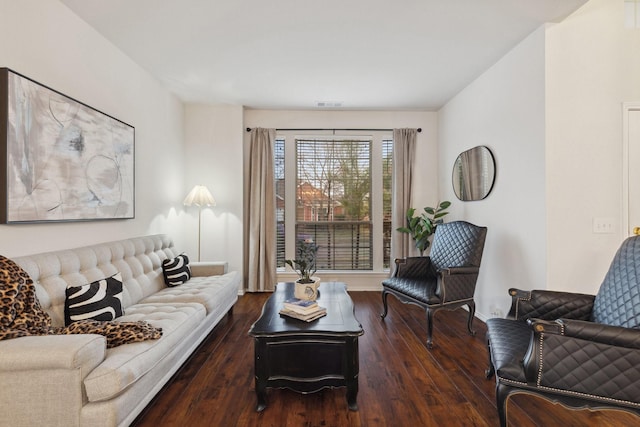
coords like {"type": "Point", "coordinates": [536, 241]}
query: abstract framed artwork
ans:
{"type": "Point", "coordinates": [63, 160]}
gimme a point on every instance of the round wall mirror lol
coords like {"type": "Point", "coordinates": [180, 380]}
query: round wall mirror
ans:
{"type": "Point", "coordinates": [474, 172]}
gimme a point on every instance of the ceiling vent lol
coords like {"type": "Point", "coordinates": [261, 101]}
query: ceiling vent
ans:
{"type": "Point", "coordinates": [328, 104]}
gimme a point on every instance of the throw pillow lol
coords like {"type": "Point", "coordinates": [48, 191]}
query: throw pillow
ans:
{"type": "Point", "coordinates": [100, 300]}
{"type": "Point", "coordinates": [176, 271]}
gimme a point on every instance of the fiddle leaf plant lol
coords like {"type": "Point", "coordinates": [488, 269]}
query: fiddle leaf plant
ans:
{"type": "Point", "coordinates": [305, 262]}
{"type": "Point", "coordinates": [422, 226]}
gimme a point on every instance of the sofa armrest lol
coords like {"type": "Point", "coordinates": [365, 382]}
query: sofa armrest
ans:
{"type": "Point", "coordinates": [53, 352]}
{"type": "Point", "coordinates": [43, 377]}
{"type": "Point", "coordinates": [549, 305]}
{"type": "Point", "coordinates": [207, 268]}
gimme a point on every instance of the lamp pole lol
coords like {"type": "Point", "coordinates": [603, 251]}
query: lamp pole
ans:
{"type": "Point", "coordinates": [199, 229]}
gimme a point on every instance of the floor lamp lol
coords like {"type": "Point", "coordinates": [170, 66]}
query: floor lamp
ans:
{"type": "Point", "coordinates": [200, 197]}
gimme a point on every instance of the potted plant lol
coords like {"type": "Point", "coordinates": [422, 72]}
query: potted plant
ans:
{"type": "Point", "coordinates": [306, 287]}
{"type": "Point", "coordinates": [421, 227]}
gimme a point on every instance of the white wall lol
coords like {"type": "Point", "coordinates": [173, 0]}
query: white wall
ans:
{"type": "Point", "coordinates": [551, 110]}
{"type": "Point", "coordinates": [44, 40]}
{"type": "Point", "coordinates": [504, 110]}
{"type": "Point", "coordinates": [593, 66]}
{"type": "Point", "coordinates": [213, 137]}
{"type": "Point", "coordinates": [425, 190]}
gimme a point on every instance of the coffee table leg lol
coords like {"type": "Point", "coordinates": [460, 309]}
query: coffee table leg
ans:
{"type": "Point", "coordinates": [352, 396]}
{"type": "Point", "coordinates": [260, 349]}
{"type": "Point", "coordinates": [351, 374]}
{"type": "Point", "coordinates": [261, 394]}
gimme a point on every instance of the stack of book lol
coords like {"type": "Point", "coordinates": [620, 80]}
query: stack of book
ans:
{"type": "Point", "coordinates": [302, 309]}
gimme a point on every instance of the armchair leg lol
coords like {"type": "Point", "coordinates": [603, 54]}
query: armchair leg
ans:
{"type": "Point", "coordinates": [502, 395]}
{"type": "Point", "coordinates": [429, 328]}
{"type": "Point", "coordinates": [472, 311]}
{"type": "Point", "coordinates": [490, 371]}
{"type": "Point", "coordinates": [384, 304]}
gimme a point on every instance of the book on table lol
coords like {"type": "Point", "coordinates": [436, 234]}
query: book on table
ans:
{"type": "Point", "coordinates": [307, 317]}
{"type": "Point", "coordinates": [300, 305]}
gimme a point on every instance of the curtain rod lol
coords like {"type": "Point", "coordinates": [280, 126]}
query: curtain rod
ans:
{"type": "Point", "coordinates": [352, 130]}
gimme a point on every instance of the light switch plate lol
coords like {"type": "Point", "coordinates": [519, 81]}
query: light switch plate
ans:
{"type": "Point", "coordinates": [603, 225]}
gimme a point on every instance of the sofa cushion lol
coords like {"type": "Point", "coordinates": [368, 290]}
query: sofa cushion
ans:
{"type": "Point", "coordinates": [124, 365]}
{"type": "Point", "coordinates": [176, 270]}
{"type": "Point", "coordinates": [99, 300]}
{"type": "Point", "coordinates": [211, 291]}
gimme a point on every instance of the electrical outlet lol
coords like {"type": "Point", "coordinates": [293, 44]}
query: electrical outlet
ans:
{"type": "Point", "coordinates": [495, 311]}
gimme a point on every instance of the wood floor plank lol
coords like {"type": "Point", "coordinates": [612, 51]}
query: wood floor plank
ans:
{"type": "Point", "coordinates": [401, 382]}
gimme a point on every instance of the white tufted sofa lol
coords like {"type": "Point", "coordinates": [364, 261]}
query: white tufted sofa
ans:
{"type": "Point", "coordinates": [74, 380]}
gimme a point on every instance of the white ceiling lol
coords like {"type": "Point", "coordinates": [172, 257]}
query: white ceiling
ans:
{"type": "Point", "coordinates": [291, 54]}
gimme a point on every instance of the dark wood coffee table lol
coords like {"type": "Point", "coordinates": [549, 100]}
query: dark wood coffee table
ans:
{"type": "Point", "coordinates": [307, 357]}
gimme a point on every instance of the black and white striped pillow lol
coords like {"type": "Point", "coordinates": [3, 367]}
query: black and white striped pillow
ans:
{"type": "Point", "coordinates": [176, 271]}
{"type": "Point", "coordinates": [100, 300]}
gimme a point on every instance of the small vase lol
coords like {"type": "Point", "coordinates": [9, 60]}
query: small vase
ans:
{"type": "Point", "coordinates": [307, 291]}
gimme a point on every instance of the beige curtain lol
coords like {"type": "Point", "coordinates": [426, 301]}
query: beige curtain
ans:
{"type": "Point", "coordinates": [404, 146]}
{"type": "Point", "coordinates": [261, 271]}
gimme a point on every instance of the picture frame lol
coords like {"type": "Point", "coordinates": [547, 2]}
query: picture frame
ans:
{"type": "Point", "coordinates": [63, 160]}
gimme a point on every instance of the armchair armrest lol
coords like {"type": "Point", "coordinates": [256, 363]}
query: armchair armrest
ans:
{"type": "Point", "coordinates": [208, 268]}
{"type": "Point", "coordinates": [598, 332]}
{"type": "Point", "coordinates": [456, 283]}
{"type": "Point", "coordinates": [586, 358]}
{"type": "Point", "coordinates": [412, 267]}
{"type": "Point", "coordinates": [549, 305]}
{"type": "Point", "coordinates": [459, 270]}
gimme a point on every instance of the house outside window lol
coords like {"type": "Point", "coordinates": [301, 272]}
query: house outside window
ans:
{"type": "Point", "coordinates": [336, 191]}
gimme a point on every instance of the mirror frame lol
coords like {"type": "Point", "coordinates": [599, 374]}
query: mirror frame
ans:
{"type": "Point", "coordinates": [481, 183]}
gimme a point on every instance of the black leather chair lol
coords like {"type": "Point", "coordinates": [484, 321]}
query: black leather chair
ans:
{"type": "Point", "coordinates": [582, 351]}
{"type": "Point", "coordinates": [446, 278]}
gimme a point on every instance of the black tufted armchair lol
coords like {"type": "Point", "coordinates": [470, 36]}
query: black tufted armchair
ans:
{"type": "Point", "coordinates": [446, 278]}
{"type": "Point", "coordinates": [582, 351]}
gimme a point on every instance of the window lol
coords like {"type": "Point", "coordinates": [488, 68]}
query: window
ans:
{"type": "Point", "coordinates": [333, 188]}
{"type": "Point", "coordinates": [280, 192]}
{"type": "Point", "coordinates": [339, 190]}
{"type": "Point", "coordinates": [387, 180]}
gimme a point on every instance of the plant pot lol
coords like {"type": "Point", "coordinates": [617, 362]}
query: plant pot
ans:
{"type": "Point", "coordinates": [307, 291]}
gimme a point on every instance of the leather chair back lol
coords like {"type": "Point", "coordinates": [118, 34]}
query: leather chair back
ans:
{"type": "Point", "coordinates": [457, 244]}
{"type": "Point", "coordinates": [618, 300]}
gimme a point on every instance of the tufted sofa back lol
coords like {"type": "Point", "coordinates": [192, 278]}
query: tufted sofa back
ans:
{"type": "Point", "coordinates": [138, 259]}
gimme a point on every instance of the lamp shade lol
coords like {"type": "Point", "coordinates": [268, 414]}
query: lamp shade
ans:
{"type": "Point", "coordinates": [199, 196]}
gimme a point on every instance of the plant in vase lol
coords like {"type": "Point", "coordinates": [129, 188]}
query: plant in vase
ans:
{"type": "Point", "coordinates": [305, 265]}
{"type": "Point", "coordinates": [421, 227]}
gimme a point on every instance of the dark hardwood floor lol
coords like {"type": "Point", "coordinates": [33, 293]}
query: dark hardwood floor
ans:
{"type": "Point", "coordinates": [402, 383]}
